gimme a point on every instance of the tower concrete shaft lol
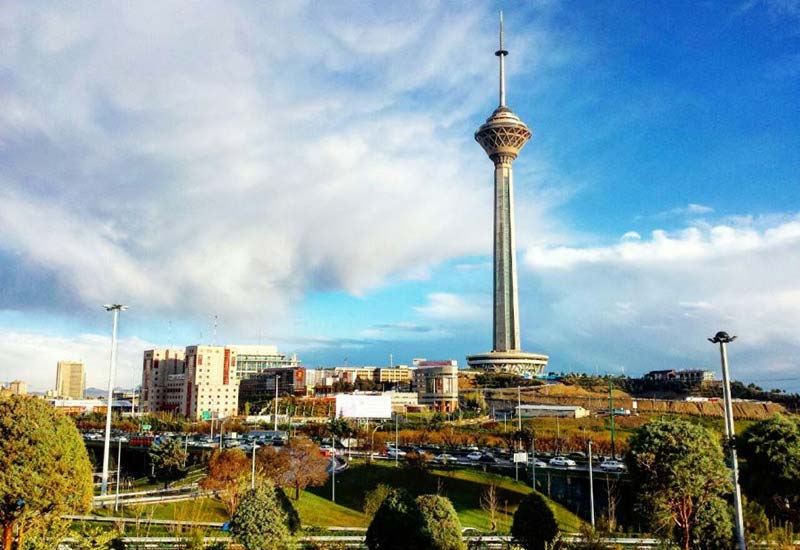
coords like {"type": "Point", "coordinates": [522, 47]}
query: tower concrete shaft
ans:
{"type": "Point", "coordinates": [506, 301]}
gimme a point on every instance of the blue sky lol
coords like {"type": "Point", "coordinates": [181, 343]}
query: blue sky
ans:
{"type": "Point", "coordinates": [305, 173]}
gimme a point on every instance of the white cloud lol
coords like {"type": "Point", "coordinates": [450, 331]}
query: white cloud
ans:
{"type": "Point", "coordinates": [444, 306]}
{"type": "Point", "coordinates": [656, 300]}
{"type": "Point", "coordinates": [229, 157]}
{"type": "Point", "coordinates": [32, 357]}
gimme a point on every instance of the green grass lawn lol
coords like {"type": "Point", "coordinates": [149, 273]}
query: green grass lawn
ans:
{"type": "Point", "coordinates": [464, 487]}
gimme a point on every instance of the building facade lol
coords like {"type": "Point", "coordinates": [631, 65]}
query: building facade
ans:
{"type": "Point", "coordinates": [70, 379]}
{"type": "Point", "coordinates": [687, 376]}
{"type": "Point", "coordinates": [259, 390]}
{"type": "Point", "coordinates": [437, 387]}
{"type": "Point", "coordinates": [163, 378]}
{"type": "Point", "coordinates": [203, 381]}
{"type": "Point", "coordinates": [17, 387]}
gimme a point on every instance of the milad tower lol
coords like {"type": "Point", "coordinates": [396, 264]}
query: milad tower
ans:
{"type": "Point", "coordinates": [502, 137]}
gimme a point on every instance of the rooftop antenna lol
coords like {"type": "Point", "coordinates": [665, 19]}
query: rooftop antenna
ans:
{"type": "Point", "coordinates": [214, 339]}
{"type": "Point", "coordinates": [501, 53]}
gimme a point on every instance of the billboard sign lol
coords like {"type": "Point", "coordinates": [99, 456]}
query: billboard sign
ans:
{"type": "Point", "coordinates": [521, 457]}
{"type": "Point", "coordinates": [363, 406]}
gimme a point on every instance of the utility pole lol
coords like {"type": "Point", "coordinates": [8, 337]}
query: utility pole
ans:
{"type": "Point", "coordinates": [116, 308]}
{"type": "Point", "coordinates": [591, 485]}
{"type": "Point", "coordinates": [519, 409]}
{"type": "Point", "coordinates": [722, 338]}
{"type": "Point", "coordinates": [611, 412]}
{"type": "Point", "coordinates": [396, 438]}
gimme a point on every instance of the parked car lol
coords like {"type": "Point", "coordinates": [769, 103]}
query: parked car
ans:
{"type": "Point", "coordinates": [487, 458]}
{"type": "Point", "coordinates": [562, 462]}
{"type": "Point", "coordinates": [475, 455]}
{"type": "Point", "coordinates": [536, 463]}
{"type": "Point", "coordinates": [399, 453]}
{"type": "Point", "coordinates": [577, 455]}
{"type": "Point", "coordinates": [612, 466]}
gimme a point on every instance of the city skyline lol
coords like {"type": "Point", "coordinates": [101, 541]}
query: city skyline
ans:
{"type": "Point", "coordinates": [305, 176]}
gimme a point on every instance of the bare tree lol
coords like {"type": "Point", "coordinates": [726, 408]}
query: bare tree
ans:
{"type": "Point", "coordinates": [490, 502]}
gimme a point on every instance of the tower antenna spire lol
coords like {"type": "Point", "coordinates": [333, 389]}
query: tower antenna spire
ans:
{"type": "Point", "coordinates": [501, 53]}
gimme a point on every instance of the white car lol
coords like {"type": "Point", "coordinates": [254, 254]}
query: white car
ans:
{"type": "Point", "coordinates": [392, 452]}
{"type": "Point", "coordinates": [475, 455]}
{"type": "Point", "coordinates": [445, 458]}
{"type": "Point", "coordinates": [612, 466]}
{"type": "Point", "coordinates": [538, 463]}
{"type": "Point", "coordinates": [562, 462]}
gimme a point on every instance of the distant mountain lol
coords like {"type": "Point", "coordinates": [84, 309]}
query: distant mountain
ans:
{"type": "Point", "coordinates": [91, 393]}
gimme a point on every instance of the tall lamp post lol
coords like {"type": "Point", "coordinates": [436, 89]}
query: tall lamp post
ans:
{"type": "Point", "coordinates": [116, 308]}
{"type": "Point", "coordinates": [723, 338]}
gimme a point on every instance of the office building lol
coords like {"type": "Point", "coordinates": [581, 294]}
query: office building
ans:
{"type": "Point", "coordinates": [17, 387]}
{"type": "Point", "coordinates": [163, 380]}
{"type": "Point", "coordinates": [258, 390]}
{"type": "Point", "coordinates": [70, 380]}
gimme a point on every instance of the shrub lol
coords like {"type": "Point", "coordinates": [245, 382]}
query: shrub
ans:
{"type": "Point", "coordinates": [260, 522]}
{"type": "Point", "coordinates": [441, 521]}
{"type": "Point", "coordinates": [534, 525]}
{"type": "Point", "coordinates": [398, 525]}
{"type": "Point", "coordinates": [374, 498]}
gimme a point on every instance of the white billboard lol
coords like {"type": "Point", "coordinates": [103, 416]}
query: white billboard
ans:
{"type": "Point", "coordinates": [363, 406]}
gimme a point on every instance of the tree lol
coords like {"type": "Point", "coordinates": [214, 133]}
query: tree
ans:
{"type": "Point", "coordinates": [168, 460]}
{"type": "Point", "coordinates": [374, 498]}
{"type": "Point", "coordinates": [228, 475]}
{"type": "Point", "coordinates": [398, 525]}
{"type": "Point", "coordinates": [273, 463]}
{"type": "Point", "coordinates": [307, 465]}
{"type": "Point", "coordinates": [490, 504]}
{"type": "Point", "coordinates": [713, 526]}
{"type": "Point", "coordinates": [677, 469]}
{"type": "Point", "coordinates": [771, 473]}
{"type": "Point", "coordinates": [44, 469]}
{"type": "Point", "coordinates": [441, 521]}
{"type": "Point", "coordinates": [260, 522]}
{"type": "Point", "coordinates": [534, 525]}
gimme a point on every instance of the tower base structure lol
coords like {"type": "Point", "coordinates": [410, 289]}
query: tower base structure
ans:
{"type": "Point", "coordinates": [516, 362]}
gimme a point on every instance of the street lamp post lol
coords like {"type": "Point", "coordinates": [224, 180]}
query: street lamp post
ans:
{"type": "Point", "coordinates": [119, 468]}
{"type": "Point", "coordinates": [116, 308]}
{"type": "Point", "coordinates": [723, 338]}
{"type": "Point", "coordinates": [277, 377]}
{"type": "Point", "coordinates": [591, 485]}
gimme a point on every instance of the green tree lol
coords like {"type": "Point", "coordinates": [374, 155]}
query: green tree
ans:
{"type": "Point", "coordinates": [771, 472]}
{"type": "Point", "coordinates": [713, 526]}
{"type": "Point", "coordinates": [260, 522]}
{"type": "Point", "coordinates": [44, 469]}
{"type": "Point", "coordinates": [169, 461]}
{"type": "Point", "coordinates": [678, 470]}
{"type": "Point", "coordinates": [374, 498]}
{"type": "Point", "coordinates": [534, 526]}
{"type": "Point", "coordinates": [398, 525]}
{"type": "Point", "coordinates": [441, 521]}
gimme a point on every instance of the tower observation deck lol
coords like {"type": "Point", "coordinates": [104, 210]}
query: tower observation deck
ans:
{"type": "Point", "coordinates": [502, 136]}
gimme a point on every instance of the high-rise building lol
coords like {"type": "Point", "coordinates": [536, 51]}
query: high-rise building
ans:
{"type": "Point", "coordinates": [212, 388]}
{"type": "Point", "coordinates": [70, 379]}
{"type": "Point", "coordinates": [502, 137]}
{"type": "Point", "coordinates": [204, 380]}
{"type": "Point", "coordinates": [163, 380]}
{"type": "Point", "coordinates": [18, 387]}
